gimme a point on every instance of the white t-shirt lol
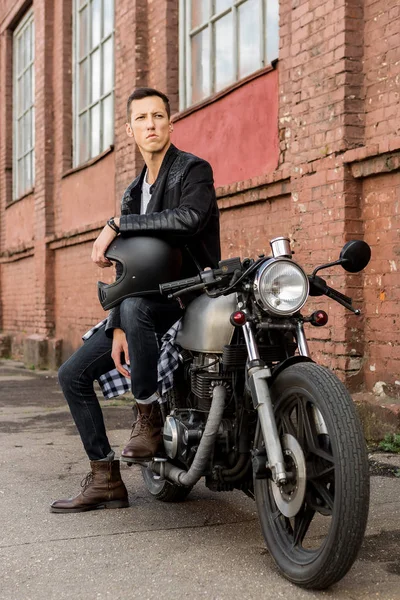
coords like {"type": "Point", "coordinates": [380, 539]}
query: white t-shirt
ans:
{"type": "Point", "coordinates": [146, 196]}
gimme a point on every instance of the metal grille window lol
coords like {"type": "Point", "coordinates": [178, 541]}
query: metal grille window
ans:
{"type": "Point", "coordinates": [93, 78]}
{"type": "Point", "coordinates": [223, 41]}
{"type": "Point", "coordinates": [24, 107]}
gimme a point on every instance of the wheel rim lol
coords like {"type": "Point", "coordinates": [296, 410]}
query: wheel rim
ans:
{"type": "Point", "coordinates": [296, 534]}
{"type": "Point", "coordinates": [290, 497]}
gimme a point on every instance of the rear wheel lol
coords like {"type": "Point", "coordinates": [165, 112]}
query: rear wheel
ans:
{"type": "Point", "coordinates": [314, 525]}
{"type": "Point", "coordinates": [164, 490]}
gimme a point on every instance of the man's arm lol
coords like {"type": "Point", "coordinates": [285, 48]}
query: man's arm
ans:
{"type": "Point", "coordinates": [189, 218]}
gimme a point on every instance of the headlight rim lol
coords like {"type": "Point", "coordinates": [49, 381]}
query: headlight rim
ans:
{"type": "Point", "coordinates": [256, 287]}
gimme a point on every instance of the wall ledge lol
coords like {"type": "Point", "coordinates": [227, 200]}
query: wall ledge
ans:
{"type": "Point", "coordinates": [374, 159]}
{"type": "Point", "coordinates": [16, 253]}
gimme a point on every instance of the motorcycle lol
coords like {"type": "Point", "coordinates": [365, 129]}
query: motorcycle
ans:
{"type": "Point", "coordinates": [251, 410]}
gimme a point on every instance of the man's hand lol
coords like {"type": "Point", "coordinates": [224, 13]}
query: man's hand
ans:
{"type": "Point", "coordinates": [119, 347]}
{"type": "Point", "coordinates": [100, 246]}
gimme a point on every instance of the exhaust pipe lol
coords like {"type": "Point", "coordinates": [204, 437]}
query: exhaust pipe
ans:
{"type": "Point", "coordinates": [189, 478]}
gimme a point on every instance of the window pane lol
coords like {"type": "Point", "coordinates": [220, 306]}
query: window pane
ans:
{"type": "Point", "coordinates": [32, 155]}
{"type": "Point", "coordinates": [249, 38]}
{"type": "Point", "coordinates": [83, 138]}
{"type": "Point", "coordinates": [83, 33]}
{"type": "Point", "coordinates": [221, 5]}
{"type": "Point", "coordinates": [108, 70]}
{"type": "Point", "coordinates": [28, 172]}
{"type": "Point", "coordinates": [200, 65]}
{"type": "Point", "coordinates": [108, 122]}
{"type": "Point", "coordinates": [28, 89]}
{"type": "Point", "coordinates": [20, 56]}
{"type": "Point", "coordinates": [95, 75]}
{"type": "Point", "coordinates": [20, 177]}
{"type": "Point", "coordinates": [96, 22]}
{"type": "Point", "coordinates": [95, 130]}
{"type": "Point", "coordinates": [200, 12]}
{"type": "Point", "coordinates": [83, 84]}
{"type": "Point", "coordinates": [28, 131]}
{"type": "Point", "coordinates": [32, 76]}
{"type": "Point", "coordinates": [272, 33]}
{"type": "Point", "coordinates": [23, 84]}
{"type": "Point", "coordinates": [20, 137]}
{"type": "Point", "coordinates": [28, 45]}
{"type": "Point", "coordinates": [33, 128]}
{"type": "Point", "coordinates": [33, 41]}
{"type": "Point", "coordinates": [224, 60]}
{"type": "Point", "coordinates": [21, 96]}
{"type": "Point", "coordinates": [108, 17]}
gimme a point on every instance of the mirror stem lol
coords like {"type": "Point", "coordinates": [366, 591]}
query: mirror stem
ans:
{"type": "Point", "coordinates": [331, 264]}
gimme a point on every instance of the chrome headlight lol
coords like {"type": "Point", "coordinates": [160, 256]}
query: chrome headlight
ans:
{"type": "Point", "coordinates": [281, 287]}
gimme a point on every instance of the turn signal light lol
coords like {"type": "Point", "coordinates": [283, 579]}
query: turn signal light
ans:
{"type": "Point", "coordinates": [319, 318]}
{"type": "Point", "coordinates": [238, 318]}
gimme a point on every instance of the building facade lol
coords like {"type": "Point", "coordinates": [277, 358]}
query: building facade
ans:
{"type": "Point", "coordinates": [294, 102]}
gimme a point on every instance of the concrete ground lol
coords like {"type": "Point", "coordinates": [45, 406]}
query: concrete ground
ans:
{"type": "Point", "coordinates": [208, 547]}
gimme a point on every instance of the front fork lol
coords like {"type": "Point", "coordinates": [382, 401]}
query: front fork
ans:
{"type": "Point", "coordinates": [258, 375]}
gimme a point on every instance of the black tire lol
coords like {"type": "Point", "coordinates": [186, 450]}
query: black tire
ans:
{"type": "Point", "coordinates": [335, 494]}
{"type": "Point", "coordinates": [164, 490]}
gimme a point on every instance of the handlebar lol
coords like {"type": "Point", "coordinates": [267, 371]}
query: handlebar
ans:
{"type": "Point", "coordinates": [175, 286]}
{"type": "Point", "coordinates": [210, 277]}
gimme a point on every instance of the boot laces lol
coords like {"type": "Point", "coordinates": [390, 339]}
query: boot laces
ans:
{"type": "Point", "coordinates": [142, 424]}
{"type": "Point", "coordinates": [86, 481]}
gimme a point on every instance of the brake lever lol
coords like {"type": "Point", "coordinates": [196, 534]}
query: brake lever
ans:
{"type": "Point", "coordinates": [320, 288]}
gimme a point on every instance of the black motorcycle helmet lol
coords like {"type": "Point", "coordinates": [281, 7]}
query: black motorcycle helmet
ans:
{"type": "Point", "coordinates": [142, 263]}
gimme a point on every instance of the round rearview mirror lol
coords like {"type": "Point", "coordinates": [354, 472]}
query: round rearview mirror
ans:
{"type": "Point", "coordinates": [355, 256]}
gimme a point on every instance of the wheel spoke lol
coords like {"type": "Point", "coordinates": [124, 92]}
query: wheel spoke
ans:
{"type": "Point", "coordinates": [302, 522]}
{"type": "Point", "coordinates": [326, 496]}
{"type": "Point", "coordinates": [311, 437]}
{"type": "Point", "coordinates": [324, 474]}
{"type": "Point", "coordinates": [287, 425]}
{"type": "Point", "coordinates": [302, 419]}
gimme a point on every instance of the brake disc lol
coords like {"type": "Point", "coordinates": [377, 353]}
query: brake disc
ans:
{"type": "Point", "coordinates": [290, 496]}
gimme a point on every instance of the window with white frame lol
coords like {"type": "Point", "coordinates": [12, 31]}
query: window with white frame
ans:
{"type": "Point", "coordinates": [223, 41]}
{"type": "Point", "coordinates": [24, 107]}
{"type": "Point", "coordinates": [93, 78]}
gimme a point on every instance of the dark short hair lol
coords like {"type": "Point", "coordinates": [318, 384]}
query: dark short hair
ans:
{"type": "Point", "coordinates": [145, 92]}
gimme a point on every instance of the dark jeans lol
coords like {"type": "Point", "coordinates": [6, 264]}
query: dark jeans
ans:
{"type": "Point", "coordinates": [142, 319]}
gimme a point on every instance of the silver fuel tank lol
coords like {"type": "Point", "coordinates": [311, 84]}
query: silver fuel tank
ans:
{"type": "Point", "coordinates": [206, 325]}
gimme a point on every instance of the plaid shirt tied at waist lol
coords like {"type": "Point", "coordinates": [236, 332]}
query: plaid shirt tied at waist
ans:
{"type": "Point", "coordinates": [114, 384]}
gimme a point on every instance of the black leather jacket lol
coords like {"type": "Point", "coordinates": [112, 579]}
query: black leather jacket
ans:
{"type": "Point", "coordinates": [183, 210]}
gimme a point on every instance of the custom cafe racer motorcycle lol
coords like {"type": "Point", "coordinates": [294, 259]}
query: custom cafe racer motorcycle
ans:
{"type": "Point", "coordinates": [251, 410]}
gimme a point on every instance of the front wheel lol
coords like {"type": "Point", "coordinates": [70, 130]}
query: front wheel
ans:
{"type": "Point", "coordinates": [314, 525]}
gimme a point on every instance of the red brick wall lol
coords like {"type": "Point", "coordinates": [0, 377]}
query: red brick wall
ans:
{"type": "Point", "coordinates": [19, 219]}
{"type": "Point", "coordinates": [87, 196]}
{"type": "Point", "coordinates": [382, 70]}
{"type": "Point", "coordinates": [76, 303]}
{"type": "Point", "coordinates": [247, 230]}
{"type": "Point", "coordinates": [381, 201]}
{"type": "Point", "coordinates": [17, 291]}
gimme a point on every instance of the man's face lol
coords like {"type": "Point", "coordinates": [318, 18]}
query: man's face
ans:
{"type": "Point", "coordinates": [149, 124]}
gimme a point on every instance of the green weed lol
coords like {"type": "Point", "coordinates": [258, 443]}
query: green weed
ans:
{"type": "Point", "coordinates": [390, 443]}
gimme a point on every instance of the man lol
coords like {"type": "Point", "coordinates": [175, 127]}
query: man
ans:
{"type": "Point", "coordinates": [173, 197]}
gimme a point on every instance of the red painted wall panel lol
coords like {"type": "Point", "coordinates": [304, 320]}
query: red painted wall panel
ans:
{"type": "Point", "coordinates": [237, 134]}
{"type": "Point", "coordinates": [87, 196]}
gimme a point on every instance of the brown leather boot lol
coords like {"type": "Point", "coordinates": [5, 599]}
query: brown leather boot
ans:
{"type": "Point", "coordinates": [102, 488]}
{"type": "Point", "coordinates": [145, 438]}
